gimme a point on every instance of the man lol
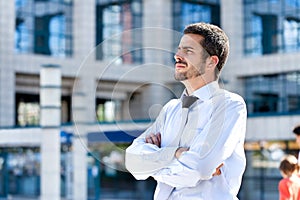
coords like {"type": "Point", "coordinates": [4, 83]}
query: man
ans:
{"type": "Point", "coordinates": [296, 131]}
{"type": "Point", "coordinates": [196, 152]}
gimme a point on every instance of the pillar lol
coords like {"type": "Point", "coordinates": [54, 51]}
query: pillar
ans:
{"type": "Point", "coordinates": [83, 107]}
{"type": "Point", "coordinates": [7, 73]}
{"type": "Point", "coordinates": [50, 105]}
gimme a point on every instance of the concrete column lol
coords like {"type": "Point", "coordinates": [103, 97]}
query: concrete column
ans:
{"type": "Point", "coordinates": [84, 42]}
{"type": "Point", "coordinates": [83, 106]}
{"type": "Point", "coordinates": [79, 185]}
{"type": "Point", "coordinates": [84, 27]}
{"type": "Point", "coordinates": [159, 36]}
{"type": "Point", "coordinates": [50, 103]}
{"type": "Point", "coordinates": [158, 56]}
{"type": "Point", "coordinates": [7, 77]}
{"type": "Point", "coordinates": [79, 164]}
{"type": "Point", "coordinates": [7, 97]}
{"type": "Point", "coordinates": [232, 23]}
{"type": "Point", "coordinates": [7, 27]}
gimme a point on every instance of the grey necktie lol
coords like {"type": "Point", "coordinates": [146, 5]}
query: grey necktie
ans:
{"type": "Point", "coordinates": [187, 101]}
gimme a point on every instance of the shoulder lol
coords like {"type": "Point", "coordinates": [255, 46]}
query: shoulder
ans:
{"type": "Point", "coordinates": [283, 183]}
{"type": "Point", "coordinates": [233, 97]}
{"type": "Point", "coordinates": [172, 103]}
{"type": "Point", "coordinates": [230, 100]}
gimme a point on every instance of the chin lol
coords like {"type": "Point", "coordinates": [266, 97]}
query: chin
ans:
{"type": "Point", "coordinates": [180, 78]}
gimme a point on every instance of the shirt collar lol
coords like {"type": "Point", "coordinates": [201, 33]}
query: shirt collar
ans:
{"type": "Point", "coordinates": [206, 92]}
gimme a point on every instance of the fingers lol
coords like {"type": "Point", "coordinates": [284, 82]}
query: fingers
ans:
{"type": "Point", "coordinates": [218, 170]}
{"type": "Point", "coordinates": [179, 151]}
{"type": "Point", "coordinates": [158, 135]}
{"type": "Point", "coordinates": [154, 139]}
{"type": "Point", "coordinates": [220, 166]}
{"type": "Point", "coordinates": [148, 139]}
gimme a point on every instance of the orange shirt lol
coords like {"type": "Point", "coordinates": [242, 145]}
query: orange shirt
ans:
{"type": "Point", "coordinates": [289, 188]}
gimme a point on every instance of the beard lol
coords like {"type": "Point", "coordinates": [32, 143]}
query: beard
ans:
{"type": "Point", "coordinates": [193, 72]}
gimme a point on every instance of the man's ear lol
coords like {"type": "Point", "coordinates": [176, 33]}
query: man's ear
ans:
{"type": "Point", "coordinates": [214, 60]}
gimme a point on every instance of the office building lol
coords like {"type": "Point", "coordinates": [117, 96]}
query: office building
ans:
{"type": "Point", "coordinates": [116, 63]}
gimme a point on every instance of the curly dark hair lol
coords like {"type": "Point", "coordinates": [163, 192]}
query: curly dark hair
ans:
{"type": "Point", "coordinates": [296, 130]}
{"type": "Point", "coordinates": [215, 41]}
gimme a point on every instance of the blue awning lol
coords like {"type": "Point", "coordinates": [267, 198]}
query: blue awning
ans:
{"type": "Point", "coordinates": [113, 136]}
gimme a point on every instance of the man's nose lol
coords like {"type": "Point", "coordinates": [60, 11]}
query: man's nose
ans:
{"type": "Point", "coordinates": [178, 56]}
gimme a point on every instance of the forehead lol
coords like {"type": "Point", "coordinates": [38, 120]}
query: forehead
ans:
{"type": "Point", "coordinates": [191, 40]}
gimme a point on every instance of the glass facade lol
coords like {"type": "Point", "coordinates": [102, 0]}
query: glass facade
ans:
{"type": "Point", "coordinates": [28, 110]}
{"type": "Point", "coordinates": [116, 38]}
{"type": "Point", "coordinates": [186, 12]}
{"type": "Point", "coordinates": [20, 171]}
{"type": "Point", "coordinates": [276, 93]}
{"type": "Point", "coordinates": [107, 110]}
{"type": "Point", "coordinates": [44, 27]}
{"type": "Point", "coordinates": [271, 26]}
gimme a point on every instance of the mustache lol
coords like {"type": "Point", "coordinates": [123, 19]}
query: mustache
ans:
{"type": "Point", "coordinates": [180, 62]}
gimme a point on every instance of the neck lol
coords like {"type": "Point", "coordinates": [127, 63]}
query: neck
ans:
{"type": "Point", "coordinates": [194, 84]}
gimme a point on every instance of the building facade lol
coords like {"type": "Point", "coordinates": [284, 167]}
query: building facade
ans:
{"type": "Point", "coordinates": [116, 62]}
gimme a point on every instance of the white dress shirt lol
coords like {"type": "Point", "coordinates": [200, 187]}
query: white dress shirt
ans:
{"type": "Point", "coordinates": [214, 133]}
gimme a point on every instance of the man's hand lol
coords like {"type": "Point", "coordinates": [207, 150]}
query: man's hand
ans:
{"type": "Point", "coordinates": [179, 151]}
{"type": "Point", "coordinates": [218, 171]}
{"type": "Point", "coordinates": [154, 139]}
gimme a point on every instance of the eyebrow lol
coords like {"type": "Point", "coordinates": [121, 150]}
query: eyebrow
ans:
{"type": "Point", "coordinates": [185, 47]}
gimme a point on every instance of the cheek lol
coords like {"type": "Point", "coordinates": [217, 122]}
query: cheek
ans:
{"type": "Point", "coordinates": [198, 67]}
{"type": "Point", "coordinates": [193, 62]}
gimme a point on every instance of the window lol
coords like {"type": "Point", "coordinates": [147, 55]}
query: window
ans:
{"type": "Point", "coordinates": [263, 37]}
{"type": "Point", "coordinates": [187, 12]}
{"type": "Point", "coordinates": [265, 102]}
{"type": "Point", "coordinates": [271, 26]}
{"type": "Point", "coordinates": [44, 27]}
{"type": "Point", "coordinates": [273, 94]}
{"type": "Point", "coordinates": [294, 3]}
{"type": "Point", "coordinates": [21, 36]}
{"type": "Point", "coordinates": [269, 35]}
{"type": "Point", "coordinates": [253, 40]}
{"type": "Point", "coordinates": [20, 171]}
{"type": "Point", "coordinates": [107, 110]}
{"type": "Point", "coordinates": [28, 109]}
{"type": "Point", "coordinates": [113, 18]}
{"type": "Point", "coordinates": [293, 103]}
{"type": "Point", "coordinates": [291, 34]}
{"type": "Point", "coordinates": [28, 114]}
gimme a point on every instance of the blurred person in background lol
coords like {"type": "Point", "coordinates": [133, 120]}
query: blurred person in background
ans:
{"type": "Point", "coordinates": [296, 131]}
{"type": "Point", "coordinates": [289, 185]}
